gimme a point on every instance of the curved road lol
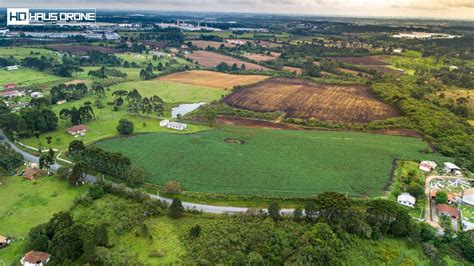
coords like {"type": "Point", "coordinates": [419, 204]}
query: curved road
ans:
{"type": "Point", "coordinates": [188, 205]}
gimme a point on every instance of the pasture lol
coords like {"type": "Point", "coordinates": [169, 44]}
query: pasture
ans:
{"type": "Point", "coordinates": [249, 161]}
{"type": "Point", "coordinates": [262, 57]}
{"type": "Point", "coordinates": [305, 99]}
{"type": "Point", "coordinates": [452, 94]}
{"type": "Point", "coordinates": [212, 78]}
{"type": "Point", "coordinates": [172, 92]}
{"type": "Point", "coordinates": [143, 59]}
{"type": "Point", "coordinates": [26, 204]}
{"type": "Point", "coordinates": [28, 77]}
{"type": "Point", "coordinates": [211, 59]}
{"type": "Point", "coordinates": [204, 44]}
{"type": "Point", "coordinates": [22, 52]}
{"type": "Point", "coordinates": [371, 62]}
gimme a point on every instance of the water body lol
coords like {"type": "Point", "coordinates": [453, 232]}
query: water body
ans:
{"type": "Point", "coordinates": [185, 108]}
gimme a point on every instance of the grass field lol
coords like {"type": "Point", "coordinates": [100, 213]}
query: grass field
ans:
{"type": "Point", "coordinates": [471, 122]}
{"type": "Point", "coordinates": [172, 92]}
{"type": "Point", "coordinates": [412, 61]}
{"type": "Point", "coordinates": [270, 162]}
{"type": "Point", "coordinates": [212, 78]}
{"type": "Point", "coordinates": [26, 204]}
{"type": "Point", "coordinates": [27, 77]}
{"type": "Point", "coordinates": [22, 52]}
{"type": "Point", "coordinates": [144, 59]}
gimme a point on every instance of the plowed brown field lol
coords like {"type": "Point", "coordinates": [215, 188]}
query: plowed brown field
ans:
{"type": "Point", "coordinates": [212, 78]}
{"type": "Point", "coordinates": [305, 99]}
{"type": "Point", "coordinates": [210, 59]}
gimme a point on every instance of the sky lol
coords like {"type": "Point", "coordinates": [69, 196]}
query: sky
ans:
{"type": "Point", "coordinates": [451, 9]}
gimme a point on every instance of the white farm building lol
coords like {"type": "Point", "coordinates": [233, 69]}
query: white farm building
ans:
{"type": "Point", "coordinates": [407, 200]}
{"type": "Point", "coordinates": [173, 125]}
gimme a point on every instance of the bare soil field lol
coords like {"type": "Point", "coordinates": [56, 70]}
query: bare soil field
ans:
{"type": "Point", "coordinates": [269, 44]}
{"type": "Point", "coordinates": [212, 78]}
{"type": "Point", "coordinates": [371, 62]}
{"type": "Point", "coordinates": [83, 49]}
{"type": "Point", "coordinates": [262, 57]}
{"type": "Point", "coordinates": [211, 59]}
{"type": "Point", "coordinates": [204, 44]}
{"type": "Point", "coordinates": [297, 70]}
{"type": "Point", "coordinates": [305, 99]}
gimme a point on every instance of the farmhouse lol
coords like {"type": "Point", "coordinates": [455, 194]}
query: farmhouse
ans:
{"type": "Point", "coordinates": [35, 258]}
{"type": "Point", "coordinates": [10, 86]}
{"type": "Point", "coordinates": [10, 68]}
{"type": "Point", "coordinates": [4, 241]}
{"type": "Point", "coordinates": [37, 95]}
{"type": "Point", "coordinates": [468, 196]}
{"type": "Point", "coordinates": [451, 197]}
{"type": "Point", "coordinates": [451, 168]}
{"type": "Point", "coordinates": [9, 94]}
{"type": "Point", "coordinates": [31, 173]}
{"type": "Point", "coordinates": [173, 125]}
{"type": "Point", "coordinates": [407, 200]}
{"type": "Point", "coordinates": [446, 210]}
{"type": "Point", "coordinates": [77, 130]}
{"type": "Point", "coordinates": [427, 166]}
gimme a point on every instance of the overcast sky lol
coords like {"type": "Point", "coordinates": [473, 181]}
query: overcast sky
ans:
{"type": "Point", "coordinates": [454, 9]}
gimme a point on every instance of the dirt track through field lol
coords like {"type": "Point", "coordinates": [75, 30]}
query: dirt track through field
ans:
{"type": "Point", "coordinates": [305, 99]}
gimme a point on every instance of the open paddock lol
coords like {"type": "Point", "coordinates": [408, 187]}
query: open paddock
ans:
{"type": "Point", "coordinates": [204, 44]}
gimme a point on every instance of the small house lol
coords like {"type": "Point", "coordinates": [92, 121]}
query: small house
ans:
{"type": "Point", "coordinates": [35, 258]}
{"type": "Point", "coordinates": [451, 68]}
{"type": "Point", "coordinates": [407, 200]}
{"type": "Point", "coordinates": [9, 86]}
{"type": "Point", "coordinates": [61, 102]}
{"type": "Point", "coordinates": [451, 168]}
{"type": "Point", "coordinates": [10, 68]}
{"type": "Point", "coordinates": [79, 130]}
{"type": "Point", "coordinates": [4, 241]}
{"type": "Point", "coordinates": [173, 125]}
{"type": "Point", "coordinates": [427, 166]}
{"type": "Point", "coordinates": [32, 173]}
{"type": "Point", "coordinates": [451, 197]}
{"type": "Point", "coordinates": [446, 210]}
{"type": "Point", "coordinates": [37, 95]}
{"type": "Point", "coordinates": [9, 94]}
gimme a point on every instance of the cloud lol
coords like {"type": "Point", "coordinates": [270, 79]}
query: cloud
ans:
{"type": "Point", "coordinates": [417, 8]}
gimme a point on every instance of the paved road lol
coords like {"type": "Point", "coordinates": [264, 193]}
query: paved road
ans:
{"type": "Point", "coordinates": [188, 205]}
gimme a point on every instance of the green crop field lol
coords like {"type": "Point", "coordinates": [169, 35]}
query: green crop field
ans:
{"type": "Point", "coordinates": [143, 59]}
{"type": "Point", "coordinates": [172, 92]}
{"type": "Point", "coordinates": [22, 52]}
{"type": "Point", "coordinates": [270, 162]}
{"type": "Point", "coordinates": [26, 204]}
{"type": "Point", "coordinates": [27, 77]}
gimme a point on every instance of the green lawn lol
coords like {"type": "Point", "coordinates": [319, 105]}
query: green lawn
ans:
{"type": "Point", "coordinates": [172, 92]}
{"type": "Point", "coordinates": [26, 204]}
{"type": "Point", "coordinates": [412, 61]}
{"type": "Point", "coordinates": [22, 52]}
{"type": "Point", "coordinates": [271, 162]}
{"type": "Point", "coordinates": [27, 77]}
{"type": "Point", "coordinates": [143, 59]}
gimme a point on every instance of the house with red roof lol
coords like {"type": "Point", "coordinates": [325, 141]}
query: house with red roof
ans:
{"type": "Point", "coordinates": [446, 210]}
{"type": "Point", "coordinates": [77, 130]}
{"type": "Point", "coordinates": [35, 258]}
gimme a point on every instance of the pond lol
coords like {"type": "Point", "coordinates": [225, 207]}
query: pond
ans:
{"type": "Point", "coordinates": [185, 108]}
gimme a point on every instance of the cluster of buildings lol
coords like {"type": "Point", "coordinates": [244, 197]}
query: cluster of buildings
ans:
{"type": "Point", "coordinates": [12, 91]}
{"type": "Point", "coordinates": [424, 35]}
{"type": "Point", "coordinates": [31, 258]}
{"type": "Point", "coordinates": [93, 35]}
{"type": "Point", "coordinates": [186, 26]}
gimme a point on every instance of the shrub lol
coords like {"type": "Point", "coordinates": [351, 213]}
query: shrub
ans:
{"type": "Point", "coordinates": [125, 127]}
{"type": "Point", "coordinates": [173, 187]}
